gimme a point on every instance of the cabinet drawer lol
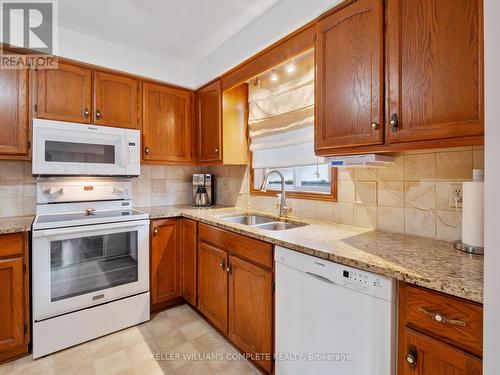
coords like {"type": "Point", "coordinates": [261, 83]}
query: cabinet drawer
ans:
{"type": "Point", "coordinates": [257, 251]}
{"type": "Point", "coordinates": [12, 245]}
{"type": "Point", "coordinates": [447, 318]}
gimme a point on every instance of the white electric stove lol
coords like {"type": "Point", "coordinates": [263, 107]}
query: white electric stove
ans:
{"type": "Point", "coordinates": [90, 262]}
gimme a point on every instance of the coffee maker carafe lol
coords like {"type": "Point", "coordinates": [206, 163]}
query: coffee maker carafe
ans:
{"type": "Point", "coordinates": [203, 189]}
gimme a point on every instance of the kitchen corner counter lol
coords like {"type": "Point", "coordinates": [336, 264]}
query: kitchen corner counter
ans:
{"type": "Point", "coordinates": [429, 263]}
{"type": "Point", "coordinates": [15, 224]}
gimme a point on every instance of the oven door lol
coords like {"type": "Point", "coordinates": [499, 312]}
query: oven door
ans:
{"type": "Point", "coordinates": [75, 268]}
{"type": "Point", "coordinates": [62, 148]}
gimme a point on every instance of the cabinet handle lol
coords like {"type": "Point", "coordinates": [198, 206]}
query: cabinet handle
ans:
{"type": "Point", "coordinates": [86, 113]}
{"type": "Point", "coordinates": [146, 150]}
{"type": "Point", "coordinates": [441, 318]}
{"type": "Point", "coordinates": [411, 357]}
{"type": "Point", "coordinates": [229, 268]}
{"type": "Point", "coordinates": [374, 125]}
{"type": "Point", "coordinates": [155, 231]}
{"type": "Point", "coordinates": [216, 150]}
{"type": "Point", "coordinates": [98, 114]}
{"type": "Point", "coordinates": [222, 265]}
{"type": "Point", "coordinates": [394, 122]}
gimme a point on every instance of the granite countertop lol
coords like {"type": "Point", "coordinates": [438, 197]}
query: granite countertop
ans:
{"type": "Point", "coordinates": [15, 224]}
{"type": "Point", "coordinates": [421, 261]}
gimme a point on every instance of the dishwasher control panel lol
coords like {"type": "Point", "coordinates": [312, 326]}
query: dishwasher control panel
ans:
{"type": "Point", "coordinates": [337, 274]}
{"type": "Point", "coordinates": [360, 280]}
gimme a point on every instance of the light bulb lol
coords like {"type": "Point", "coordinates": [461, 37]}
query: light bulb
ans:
{"type": "Point", "coordinates": [274, 76]}
{"type": "Point", "coordinates": [290, 68]}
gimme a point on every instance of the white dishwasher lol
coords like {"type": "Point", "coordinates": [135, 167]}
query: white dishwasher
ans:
{"type": "Point", "coordinates": [332, 319]}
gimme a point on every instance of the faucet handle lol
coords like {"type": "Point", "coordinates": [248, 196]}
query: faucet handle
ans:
{"type": "Point", "coordinates": [286, 210]}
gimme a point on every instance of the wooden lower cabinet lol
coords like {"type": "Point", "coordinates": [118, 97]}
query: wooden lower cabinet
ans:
{"type": "Point", "coordinates": [430, 356]}
{"type": "Point", "coordinates": [213, 284]}
{"type": "Point", "coordinates": [438, 334]}
{"type": "Point", "coordinates": [235, 291]}
{"type": "Point", "coordinates": [251, 309]}
{"type": "Point", "coordinates": [14, 296]}
{"type": "Point", "coordinates": [189, 262]}
{"type": "Point", "coordinates": [165, 262]}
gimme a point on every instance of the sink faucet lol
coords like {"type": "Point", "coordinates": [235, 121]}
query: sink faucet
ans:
{"type": "Point", "coordinates": [283, 209]}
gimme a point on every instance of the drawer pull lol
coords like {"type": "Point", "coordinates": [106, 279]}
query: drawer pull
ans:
{"type": "Point", "coordinates": [441, 318]}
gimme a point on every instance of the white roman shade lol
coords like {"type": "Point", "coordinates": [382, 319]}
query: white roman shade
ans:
{"type": "Point", "coordinates": [281, 117]}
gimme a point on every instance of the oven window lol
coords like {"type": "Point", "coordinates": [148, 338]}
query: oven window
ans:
{"type": "Point", "coordinates": [89, 264]}
{"type": "Point", "coordinates": [72, 152]}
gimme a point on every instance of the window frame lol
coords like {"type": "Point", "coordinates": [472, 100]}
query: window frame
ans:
{"type": "Point", "coordinates": [332, 196]}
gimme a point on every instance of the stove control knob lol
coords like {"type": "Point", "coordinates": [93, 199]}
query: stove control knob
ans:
{"type": "Point", "coordinates": [89, 211]}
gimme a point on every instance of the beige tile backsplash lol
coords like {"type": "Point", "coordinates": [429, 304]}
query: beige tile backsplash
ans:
{"type": "Point", "coordinates": [410, 197]}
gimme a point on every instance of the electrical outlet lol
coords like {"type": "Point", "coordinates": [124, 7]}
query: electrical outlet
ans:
{"type": "Point", "coordinates": [456, 195]}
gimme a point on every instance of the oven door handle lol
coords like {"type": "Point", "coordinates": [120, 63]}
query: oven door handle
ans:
{"type": "Point", "coordinates": [88, 228]}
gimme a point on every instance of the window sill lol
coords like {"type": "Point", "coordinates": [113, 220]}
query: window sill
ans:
{"type": "Point", "coordinates": [296, 195]}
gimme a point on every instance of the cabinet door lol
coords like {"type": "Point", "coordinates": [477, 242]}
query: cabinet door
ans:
{"type": "Point", "coordinates": [165, 260]}
{"type": "Point", "coordinates": [116, 100]}
{"type": "Point", "coordinates": [212, 284]}
{"type": "Point", "coordinates": [210, 124]}
{"type": "Point", "coordinates": [434, 66]}
{"type": "Point", "coordinates": [250, 308]}
{"type": "Point", "coordinates": [167, 124]}
{"type": "Point", "coordinates": [349, 89]}
{"type": "Point", "coordinates": [14, 112]}
{"type": "Point", "coordinates": [12, 303]}
{"type": "Point", "coordinates": [189, 260]}
{"type": "Point", "coordinates": [433, 357]}
{"type": "Point", "coordinates": [64, 93]}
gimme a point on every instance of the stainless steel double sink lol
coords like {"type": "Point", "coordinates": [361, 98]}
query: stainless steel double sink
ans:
{"type": "Point", "coordinates": [262, 222]}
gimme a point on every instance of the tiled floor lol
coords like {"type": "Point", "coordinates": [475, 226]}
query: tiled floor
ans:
{"type": "Point", "coordinates": [178, 330]}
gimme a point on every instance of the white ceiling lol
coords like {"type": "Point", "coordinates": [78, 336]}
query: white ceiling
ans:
{"type": "Point", "coordinates": [186, 30]}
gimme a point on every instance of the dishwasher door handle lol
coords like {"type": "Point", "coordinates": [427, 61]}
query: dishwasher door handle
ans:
{"type": "Point", "coordinates": [321, 278]}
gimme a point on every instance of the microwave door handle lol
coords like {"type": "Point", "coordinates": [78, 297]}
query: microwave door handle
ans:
{"type": "Point", "coordinates": [85, 229]}
{"type": "Point", "coordinates": [126, 151]}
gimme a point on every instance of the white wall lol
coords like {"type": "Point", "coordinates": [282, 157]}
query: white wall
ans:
{"type": "Point", "coordinates": [84, 48]}
{"type": "Point", "coordinates": [492, 187]}
{"type": "Point", "coordinates": [286, 16]}
{"type": "Point", "coordinates": [81, 47]}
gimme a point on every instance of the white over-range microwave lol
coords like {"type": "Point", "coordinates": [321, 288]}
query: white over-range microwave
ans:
{"type": "Point", "coordinates": [65, 148]}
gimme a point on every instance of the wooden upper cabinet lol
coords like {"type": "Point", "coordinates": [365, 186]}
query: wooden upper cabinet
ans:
{"type": "Point", "coordinates": [213, 284]}
{"type": "Point", "coordinates": [165, 260]}
{"type": "Point", "coordinates": [116, 100]}
{"type": "Point", "coordinates": [349, 77]}
{"type": "Point", "coordinates": [64, 94]}
{"type": "Point", "coordinates": [435, 63]}
{"type": "Point", "coordinates": [209, 102]}
{"type": "Point", "coordinates": [14, 113]}
{"type": "Point", "coordinates": [251, 308]}
{"type": "Point", "coordinates": [167, 124]}
{"type": "Point", "coordinates": [189, 260]}
{"type": "Point", "coordinates": [430, 356]}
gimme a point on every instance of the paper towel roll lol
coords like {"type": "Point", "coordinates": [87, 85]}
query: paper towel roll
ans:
{"type": "Point", "coordinates": [473, 213]}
